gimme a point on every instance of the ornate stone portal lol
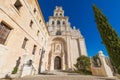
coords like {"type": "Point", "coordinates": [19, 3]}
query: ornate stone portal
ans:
{"type": "Point", "coordinates": [66, 43]}
{"type": "Point", "coordinates": [58, 56]}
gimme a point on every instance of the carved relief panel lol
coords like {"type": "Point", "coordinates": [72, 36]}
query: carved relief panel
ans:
{"type": "Point", "coordinates": [58, 48]}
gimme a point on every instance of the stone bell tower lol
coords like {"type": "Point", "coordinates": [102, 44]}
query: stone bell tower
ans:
{"type": "Point", "coordinates": [58, 23]}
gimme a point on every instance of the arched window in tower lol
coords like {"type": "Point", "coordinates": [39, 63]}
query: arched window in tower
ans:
{"type": "Point", "coordinates": [60, 14]}
{"type": "Point", "coordinates": [58, 22]}
{"type": "Point", "coordinates": [58, 33]}
{"type": "Point", "coordinates": [63, 22]}
{"type": "Point", "coordinates": [56, 14]}
{"type": "Point", "coordinates": [52, 22]}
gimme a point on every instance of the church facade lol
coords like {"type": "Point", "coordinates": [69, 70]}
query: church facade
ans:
{"type": "Point", "coordinates": [66, 44]}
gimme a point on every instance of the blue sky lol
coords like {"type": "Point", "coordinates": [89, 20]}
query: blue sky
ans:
{"type": "Point", "coordinates": [81, 15]}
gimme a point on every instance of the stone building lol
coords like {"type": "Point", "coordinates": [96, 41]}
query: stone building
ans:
{"type": "Point", "coordinates": [23, 35]}
{"type": "Point", "coordinates": [31, 46]}
{"type": "Point", "coordinates": [66, 44]}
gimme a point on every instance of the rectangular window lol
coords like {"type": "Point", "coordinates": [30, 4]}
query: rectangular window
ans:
{"type": "Point", "coordinates": [34, 49]}
{"type": "Point", "coordinates": [18, 5]}
{"type": "Point", "coordinates": [4, 32]}
{"type": "Point", "coordinates": [38, 33]}
{"type": "Point", "coordinates": [31, 23]}
{"type": "Point", "coordinates": [34, 10]}
{"type": "Point", "coordinates": [24, 43]}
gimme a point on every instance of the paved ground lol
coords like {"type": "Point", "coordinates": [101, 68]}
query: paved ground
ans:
{"type": "Point", "coordinates": [63, 76]}
{"type": "Point", "coordinates": [57, 75]}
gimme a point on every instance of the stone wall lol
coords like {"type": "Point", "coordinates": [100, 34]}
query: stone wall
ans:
{"type": "Point", "coordinates": [103, 69]}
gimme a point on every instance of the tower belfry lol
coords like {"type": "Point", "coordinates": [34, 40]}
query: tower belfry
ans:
{"type": "Point", "coordinates": [58, 12]}
{"type": "Point", "coordinates": [58, 24]}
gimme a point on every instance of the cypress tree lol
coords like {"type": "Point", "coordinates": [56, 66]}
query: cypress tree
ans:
{"type": "Point", "coordinates": [109, 36]}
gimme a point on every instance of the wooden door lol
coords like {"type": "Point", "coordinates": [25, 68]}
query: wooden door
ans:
{"type": "Point", "coordinates": [57, 63]}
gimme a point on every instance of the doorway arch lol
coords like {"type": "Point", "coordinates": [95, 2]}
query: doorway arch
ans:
{"type": "Point", "coordinates": [57, 63]}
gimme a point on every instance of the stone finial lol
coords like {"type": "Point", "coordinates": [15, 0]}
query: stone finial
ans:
{"type": "Point", "coordinates": [74, 27]}
{"type": "Point", "coordinates": [59, 7]}
{"type": "Point", "coordinates": [56, 7]}
{"type": "Point", "coordinates": [47, 23]}
{"type": "Point", "coordinates": [101, 53]}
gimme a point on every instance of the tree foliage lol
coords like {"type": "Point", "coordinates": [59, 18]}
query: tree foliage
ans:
{"type": "Point", "coordinates": [97, 61]}
{"type": "Point", "coordinates": [109, 36]}
{"type": "Point", "coordinates": [83, 62]}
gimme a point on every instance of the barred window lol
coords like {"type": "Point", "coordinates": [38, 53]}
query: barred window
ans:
{"type": "Point", "coordinates": [18, 4]}
{"type": "Point", "coordinates": [24, 43]}
{"type": "Point", "coordinates": [31, 23]}
{"type": "Point", "coordinates": [4, 32]}
{"type": "Point", "coordinates": [38, 33]}
{"type": "Point", "coordinates": [34, 49]}
{"type": "Point", "coordinates": [34, 10]}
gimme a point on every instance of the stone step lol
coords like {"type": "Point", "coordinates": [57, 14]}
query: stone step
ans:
{"type": "Point", "coordinates": [65, 77]}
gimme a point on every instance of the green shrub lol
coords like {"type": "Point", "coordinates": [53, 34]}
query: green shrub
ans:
{"type": "Point", "coordinates": [83, 62]}
{"type": "Point", "coordinates": [96, 59]}
{"type": "Point", "coordinates": [15, 70]}
{"type": "Point", "coordinates": [83, 65]}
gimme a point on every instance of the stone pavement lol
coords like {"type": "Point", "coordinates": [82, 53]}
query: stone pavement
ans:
{"type": "Point", "coordinates": [65, 77]}
{"type": "Point", "coordinates": [55, 75]}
